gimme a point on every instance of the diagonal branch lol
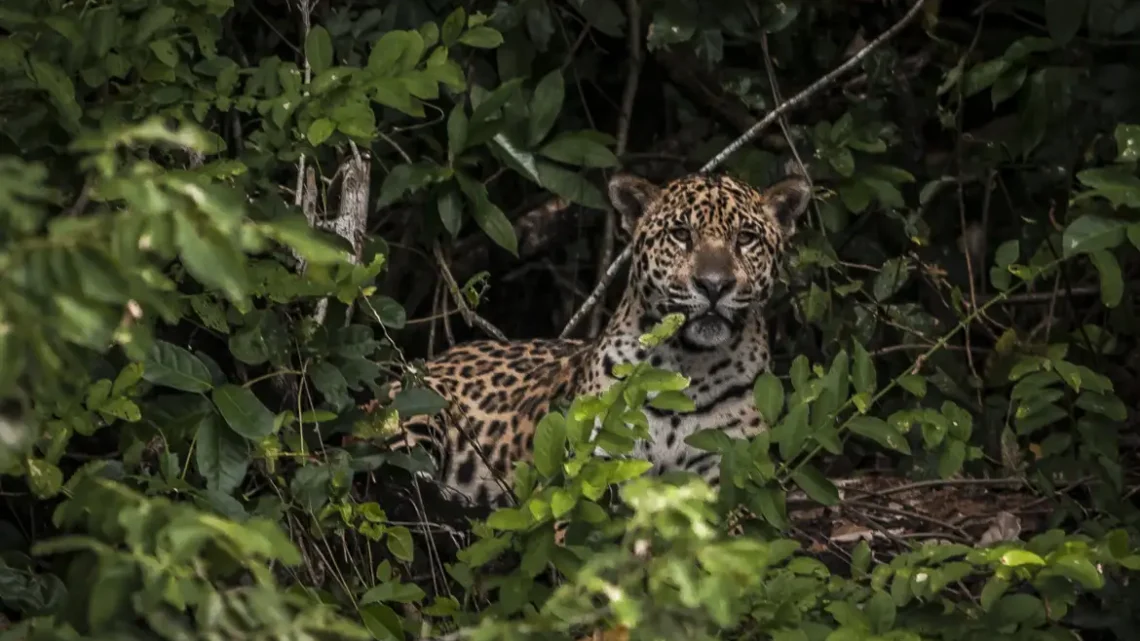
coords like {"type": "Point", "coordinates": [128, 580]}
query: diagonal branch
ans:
{"type": "Point", "coordinates": [754, 131]}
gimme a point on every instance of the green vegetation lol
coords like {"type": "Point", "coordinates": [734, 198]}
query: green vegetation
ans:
{"type": "Point", "coordinates": [226, 225]}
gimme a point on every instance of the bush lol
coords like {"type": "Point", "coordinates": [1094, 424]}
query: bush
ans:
{"type": "Point", "coordinates": [226, 227]}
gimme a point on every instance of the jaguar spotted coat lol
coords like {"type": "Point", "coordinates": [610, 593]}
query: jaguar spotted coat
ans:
{"type": "Point", "coordinates": [704, 245]}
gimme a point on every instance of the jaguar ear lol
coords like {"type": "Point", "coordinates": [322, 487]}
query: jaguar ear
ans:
{"type": "Point", "coordinates": [631, 196]}
{"type": "Point", "coordinates": [788, 200]}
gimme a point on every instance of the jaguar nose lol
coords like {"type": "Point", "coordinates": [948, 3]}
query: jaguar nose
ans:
{"type": "Point", "coordinates": [714, 285]}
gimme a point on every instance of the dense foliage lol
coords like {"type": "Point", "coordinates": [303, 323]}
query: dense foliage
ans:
{"type": "Point", "coordinates": [227, 225]}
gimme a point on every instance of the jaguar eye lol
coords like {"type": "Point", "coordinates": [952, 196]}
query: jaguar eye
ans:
{"type": "Point", "coordinates": [746, 238]}
{"type": "Point", "coordinates": [679, 234]}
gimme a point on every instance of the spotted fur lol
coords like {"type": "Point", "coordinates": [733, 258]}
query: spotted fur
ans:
{"type": "Point", "coordinates": [704, 245]}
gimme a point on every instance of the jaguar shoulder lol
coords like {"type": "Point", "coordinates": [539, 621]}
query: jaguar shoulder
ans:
{"type": "Point", "coordinates": [707, 246]}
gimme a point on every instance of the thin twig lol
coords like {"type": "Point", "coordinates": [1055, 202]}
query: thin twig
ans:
{"type": "Point", "coordinates": [784, 107]}
{"type": "Point", "coordinates": [469, 316]}
{"type": "Point", "coordinates": [629, 94]}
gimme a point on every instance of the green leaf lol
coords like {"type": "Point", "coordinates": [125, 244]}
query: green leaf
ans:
{"type": "Point", "coordinates": [770, 503]}
{"type": "Point", "coordinates": [488, 216]}
{"type": "Point", "coordinates": [243, 411]}
{"type": "Point", "coordinates": [545, 106]}
{"type": "Point", "coordinates": [320, 130]}
{"type": "Point", "coordinates": [570, 185]}
{"type": "Point", "coordinates": [880, 610]}
{"type": "Point", "coordinates": [412, 401]}
{"type": "Point", "coordinates": [1014, 558]}
{"type": "Point", "coordinates": [319, 49]}
{"type": "Point", "coordinates": [579, 148]}
{"type": "Point", "coordinates": [389, 311]}
{"type": "Point", "coordinates": [816, 485]}
{"type": "Point", "coordinates": [482, 37]}
{"type": "Point", "coordinates": [550, 444]}
{"type": "Point", "coordinates": [393, 591]}
{"type": "Point", "coordinates": [382, 622]}
{"type": "Point", "coordinates": [452, 26]}
{"type": "Point", "coordinates": [171, 366]}
{"type": "Point", "coordinates": [152, 20]}
{"type": "Point", "coordinates": [914, 384]}
{"type": "Point", "coordinates": [1079, 569]}
{"type": "Point", "coordinates": [768, 394]}
{"type": "Point", "coordinates": [993, 590]}
{"type": "Point", "coordinates": [396, 51]}
{"type": "Point", "coordinates": [456, 132]}
{"type": "Point", "coordinates": [1111, 278]}
{"type": "Point", "coordinates": [45, 480]}
{"type": "Point", "coordinates": [1064, 18]}
{"type": "Point", "coordinates": [893, 275]}
{"type": "Point", "coordinates": [220, 455]}
{"type": "Point", "coordinates": [331, 383]}
{"type": "Point", "coordinates": [450, 208]}
{"type": "Point", "coordinates": [562, 502]}
{"type": "Point", "coordinates": [863, 374]}
{"type": "Point", "coordinates": [510, 518]}
{"type": "Point", "coordinates": [1127, 143]}
{"type": "Point", "coordinates": [400, 543]}
{"type": "Point", "coordinates": [1115, 183]}
{"type": "Point", "coordinates": [879, 431]}
{"type": "Point", "coordinates": [212, 258]}
{"type": "Point", "coordinates": [58, 84]}
{"type": "Point", "coordinates": [951, 460]}
{"type": "Point", "coordinates": [672, 401]}
{"type": "Point", "coordinates": [317, 247]}
{"type": "Point", "coordinates": [1091, 233]}
{"type": "Point", "coordinates": [165, 51]}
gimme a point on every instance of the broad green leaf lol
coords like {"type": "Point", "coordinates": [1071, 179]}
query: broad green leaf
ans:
{"type": "Point", "coordinates": [1014, 558]}
{"type": "Point", "coordinates": [320, 130]}
{"type": "Point", "coordinates": [243, 411]}
{"type": "Point", "coordinates": [152, 20]}
{"type": "Point", "coordinates": [400, 543]}
{"type": "Point", "coordinates": [863, 374]}
{"type": "Point", "coordinates": [456, 132]}
{"type": "Point", "coordinates": [951, 460]}
{"type": "Point", "coordinates": [1111, 278]}
{"type": "Point", "coordinates": [382, 622]}
{"type": "Point", "coordinates": [393, 592]}
{"type": "Point", "coordinates": [1127, 142]}
{"type": "Point", "coordinates": [412, 401]}
{"type": "Point", "coordinates": [770, 503]}
{"type": "Point", "coordinates": [893, 275]}
{"type": "Point", "coordinates": [396, 51]}
{"type": "Point", "coordinates": [672, 401]}
{"type": "Point", "coordinates": [510, 518]}
{"type": "Point", "coordinates": [220, 455]}
{"type": "Point", "coordinates": [768, 394]}
{"type": "Point", "coordinates": [570, 185]}
{"type": "Point", "coordinates": [172, 366]}
{"type": "Point", "coordinates": [452, 26]}
{"type": "Point", "coordinates": [879, 431]}
{"type": "Point", "coordinates": [212, 258]}
{"type": "Point", "coordinates": [545, 106]}
{"type": "Point", "coordinates": [880, 610]}
{"type": "Point", "coordinates": [1115, 183]}
{"type": "Point", "coordinates": [482, 37]}
{"type": "Point", "coordinates": [44, 478]}
{"type": "Point", "coordinates": [450, 208]}
{"type": "Point", "coordinates": [319, 49]}
{"type": "Point", "coordinates": [913, 383]}
{"type": "Point", "coordinates": [550, 444]}
{"type": "Point", "coordinates": [487, 215]}
{"type": "Point", "coordinates": [816, 485]}
{"type": "Point", "coordinates": [580, 149]}
{"type": "Point", "coordinates": [317, 247]}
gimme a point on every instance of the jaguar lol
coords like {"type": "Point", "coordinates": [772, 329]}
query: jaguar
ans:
{"type": "Point", "coordinates": [705, 245]}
